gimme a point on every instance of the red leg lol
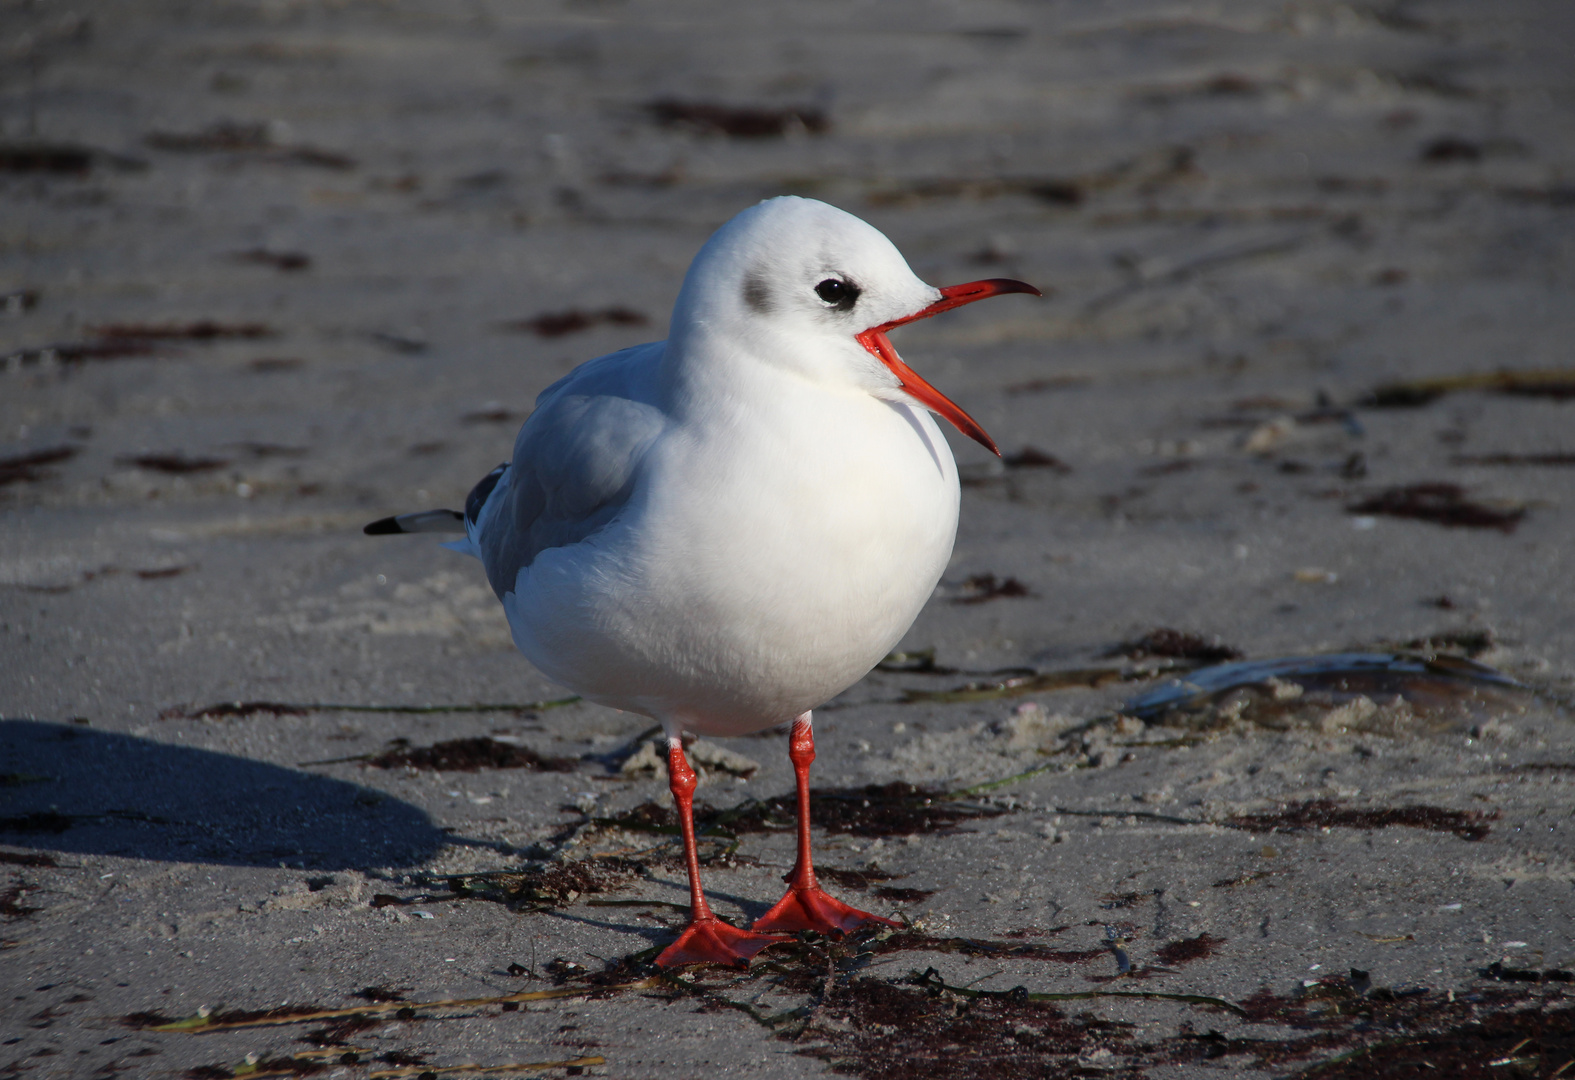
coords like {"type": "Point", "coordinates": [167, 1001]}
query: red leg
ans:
{"type": "Point", "coordinates": [807, 906]}
{"type": "Point", "coordinates": [707, 939]}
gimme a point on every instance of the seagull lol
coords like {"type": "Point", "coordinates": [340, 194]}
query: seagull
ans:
{"type": "Point", "coordinates": [724, 530]}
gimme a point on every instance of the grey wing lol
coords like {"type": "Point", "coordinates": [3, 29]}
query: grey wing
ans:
{"type": "Point", "coordinates": [575, 463]}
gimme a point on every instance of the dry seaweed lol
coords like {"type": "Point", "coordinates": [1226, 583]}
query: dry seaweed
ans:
{"type": "Point", "coordinates": [903, 941]}
{"type": "Point", "coordinates": [261, 1067]}
{"type": "Point", "coordinates": [267, 365]}
{"type": "Point", "coordinates": [1163, 641]}
{"type": "Point", "coordinates": [223, 709]}
{"type": "Point", "coordinates": [176, 464]}
{"type": "Point", "coordinates": [555, 884]}
{"type": "Point", "coordinates": [880, 1031]}
{"type": "Point", "coordinates": [1440, 502]}
{"type": "Point", "coordinates": [555, 324]}
{"type": "Point", "coordinates": [60, 159]}
{"type": "Point", "coordinates": [29, 467]}
{"type": "Point", "coordinates": [895, 809]}
{"type": "Point", "coordinates": [903, 896]}
{"type": "Point", "coordinates": [1449, 149]}
{"type": "Point", "coordinates": [406, 1067]}
{"type": "Point", "coordinates": [857, 879]}
{"type": "Point", "coordinates": [1057, 191]}
{"type": "Point", "coordinates": [11, 905]}
{"type": "Point", "coordinates": [379, 994]}
{"type": "Point", "coordinates": [471, 755]}
{"type": "Point", "coordinates": [286, 261]}
{"type": "Point", "coordinates": [1499, 973]}
{"type": "Point", "coordinates": [338, 1032]}
{"type": "Point", "coordinates": [1031, 457]}
{"type": "Point", "coordinates": [738, 121]}
{"type": "Point", "coordinates": [205, 1022]}
{"type": "Point", "coordinates": [253, 140]}
{"type": "Point", "coordinates": [981, 588]}
{"type": "Point", "coordinates": [558, 884]}
{"type": "Point", "coordinates": [921, 1025]}
{"type": "Point", "coordinates": [75, 352]}
{"type": "Point", "coordinates": [1520, 1043]}
{"type": "Point", "coordinates": [1186, 950]}
{"type": "Point", "coordinates": [1329, 814]}
{"type": "Point", "coordinates": [1555, 383]}
{"type": "Point", "coordinates": [199, 330]}
{"type": "Point", "coordinates": [894, 1028]}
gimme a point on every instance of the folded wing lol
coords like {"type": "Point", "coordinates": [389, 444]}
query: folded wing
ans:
{"type": "Point", "coordinates": [575, 464]}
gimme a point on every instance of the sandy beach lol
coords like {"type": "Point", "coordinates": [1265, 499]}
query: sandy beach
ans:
{"type": "Point", "coordinates": [280, 799]}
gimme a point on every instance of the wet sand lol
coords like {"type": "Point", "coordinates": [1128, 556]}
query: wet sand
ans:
{"type": "Point", "coordinates": [1301, 385]}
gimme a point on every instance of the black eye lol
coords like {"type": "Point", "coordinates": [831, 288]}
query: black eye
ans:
{"type": "Point", "coordinates": [839, 294]}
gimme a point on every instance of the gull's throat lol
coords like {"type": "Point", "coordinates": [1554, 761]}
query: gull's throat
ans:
{"type": "Point", "coordinates": [875, 340]}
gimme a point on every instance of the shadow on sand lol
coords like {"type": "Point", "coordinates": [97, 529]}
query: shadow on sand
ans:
{"type": "Point", "coordinates": [73, 789]}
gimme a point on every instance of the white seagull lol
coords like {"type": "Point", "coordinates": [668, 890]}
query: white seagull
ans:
{"type": "Point", "coordinates": [728, 528]}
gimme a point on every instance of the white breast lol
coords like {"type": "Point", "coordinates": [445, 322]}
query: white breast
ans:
{"type": "Point", "coordinates": [767, 559]}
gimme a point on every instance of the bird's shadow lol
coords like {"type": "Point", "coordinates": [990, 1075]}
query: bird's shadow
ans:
{"type": "Point", "coordinates": [67, 788]}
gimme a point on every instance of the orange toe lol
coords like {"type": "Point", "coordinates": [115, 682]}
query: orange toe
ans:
{"type": "Point", "coordinates": [814, 909]}
{"type": "Point", "coordinates": [712, 941]}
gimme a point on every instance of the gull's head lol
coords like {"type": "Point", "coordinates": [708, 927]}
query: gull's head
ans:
{"type": "Point", "coordinates": [801, 284]}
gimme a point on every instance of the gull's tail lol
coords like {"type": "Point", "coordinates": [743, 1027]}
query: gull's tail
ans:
{"type": "Point", "coordinates": [447, 521]}
{"type": "Point", "coordinates": [426, 521]}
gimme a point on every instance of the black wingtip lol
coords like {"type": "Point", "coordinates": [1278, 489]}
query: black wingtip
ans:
{"type": "Point", "coordinates": [383, 527]}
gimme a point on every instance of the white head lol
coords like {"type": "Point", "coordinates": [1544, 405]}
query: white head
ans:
{"type": "Point", "coordinates": [799, 283]}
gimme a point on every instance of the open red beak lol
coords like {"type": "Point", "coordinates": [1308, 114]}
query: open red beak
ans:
{"type": "Point", "coordinates": [874, 339]}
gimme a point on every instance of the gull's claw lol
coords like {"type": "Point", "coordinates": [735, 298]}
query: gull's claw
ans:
{"type": "Point", "coordinates": [814, 909]}
{"type": "Point", "coordinates": [712, 941]}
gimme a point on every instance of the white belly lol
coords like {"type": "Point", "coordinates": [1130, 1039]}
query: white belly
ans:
{"type": "Point", "coordinates": [756, 572]}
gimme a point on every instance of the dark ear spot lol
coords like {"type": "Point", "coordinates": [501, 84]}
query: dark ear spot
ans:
{"type": "Point", "coordinates": [756, 295]}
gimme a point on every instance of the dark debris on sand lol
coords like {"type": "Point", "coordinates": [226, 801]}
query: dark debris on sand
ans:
{"type": "Point", "coordinates": [1186, 950]}
{"type": "Point", "coordinates": [174, 464]}
{"type": "Point", "coordinates": [198, 330]}
{"type": "Point", "coordinates": [29, 467]}
{"type": "Point", "coordinates": [552, 884]}
{"type": "Point", "coordinates": [1176, 644]}
{"type": "Point", "coordinates": [1328, 814]}
{"type": "Point", "coordinates": [1441, 503]}
{"type": "Point", "coordinates": [981, 588]}
{"type": "Point", "coordinates": [880, 1026]}
{"type": "Point", "coordinates": [554, 324]}
{"type": "Point", "coordinates": [874, 810]}
{"type": "Point", "coordinates": [471, 755]}
{"type": "Point", "coordinates": [738, 121]}
{"type": "Point", "coordinates": [880, 1029]}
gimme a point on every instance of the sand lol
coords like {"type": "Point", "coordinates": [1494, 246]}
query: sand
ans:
{"type": "Point", "coordinates": [269, 271]}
